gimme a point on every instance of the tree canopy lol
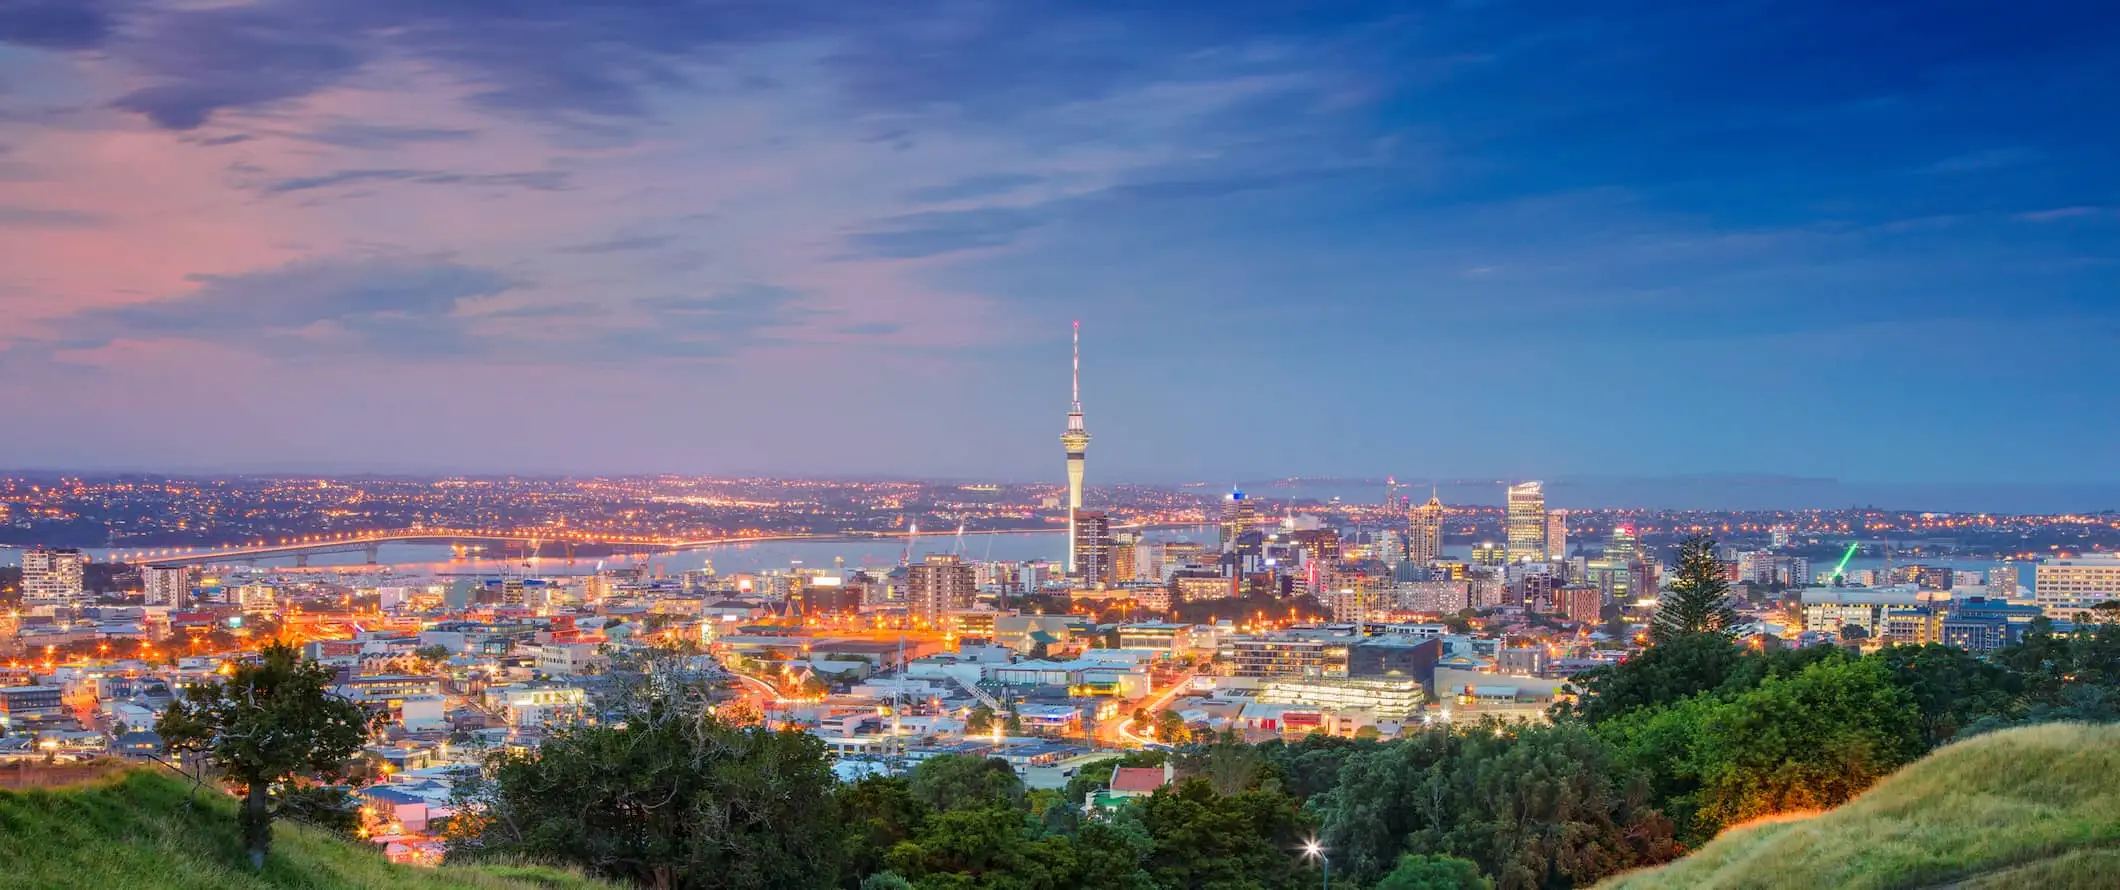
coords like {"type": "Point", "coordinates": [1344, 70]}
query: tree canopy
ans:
{"type": "Point", "coordinates": [272, 722]}
{"type": "Point", "coordinates": [1697, 601]}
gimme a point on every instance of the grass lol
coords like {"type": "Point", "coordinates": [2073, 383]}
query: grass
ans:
{"type": "Point", "coordinates": [2032, 807]}
{"type": "Point", "coordinates": [134, 830]}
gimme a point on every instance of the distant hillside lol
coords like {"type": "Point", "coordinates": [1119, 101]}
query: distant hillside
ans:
{"type": "Point", "coordinates": [2034, 807]}
{"type": "Point", "coordinates": [133, 831]}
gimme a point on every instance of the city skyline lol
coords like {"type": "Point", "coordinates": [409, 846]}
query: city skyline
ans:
{"type": "Point", "coordinates": [1831, 247]}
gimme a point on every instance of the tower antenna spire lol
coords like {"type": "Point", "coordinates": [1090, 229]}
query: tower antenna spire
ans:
{"type": "Point", "coordinates": [1077, 391]}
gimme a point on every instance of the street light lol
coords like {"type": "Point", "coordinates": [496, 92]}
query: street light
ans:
{"type": "Point", "coordinates": [1313, 850]}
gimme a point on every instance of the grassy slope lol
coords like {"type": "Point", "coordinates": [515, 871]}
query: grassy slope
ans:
{"type": "Point", "coordinates": [2033, 807]}
{"type": "Point", "coordinates": [134, 830]}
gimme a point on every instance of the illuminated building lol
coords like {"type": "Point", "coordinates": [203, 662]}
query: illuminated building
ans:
{"type": "Point", "coordinates": [1239, 515]}
{"type": "Point", "coordinates": [938, 585]}
{"type": "Point", "coordinates": [1488, 553]}
{"type": "Point", "coordinates": [53, 576]}
{"type": "Point", "coordinates": [1557, 536]}
{"type": "Point", "coordinates": [1075, 440]}
{"type": "Point", "coordinates": [1284, 657]}
{"type": "Point", "coordinates": [1125, 558]}
{"type": "Point", "coordinates": [1525, 524]}
{"type": "Point", "coordinates": [166, 585]}
{"type": "Point", "coordinates": [1619, 570]}
{"type": "Point", "coordinates": [1582, 604]}
{"type": "Point", "coordinates": [1092, 540]}
{"type": "Point", "coordinates": [2077, 582]}
{"type": "Point", "coordinates": [1386, 699]}
{"type": "Point", "coordinates": [2002, 581]}
{"type": "Point", "coordinates": [1424, 535]}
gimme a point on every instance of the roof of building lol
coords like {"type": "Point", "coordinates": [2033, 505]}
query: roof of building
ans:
{"type": "Point", "coordinates": [1138, 779]}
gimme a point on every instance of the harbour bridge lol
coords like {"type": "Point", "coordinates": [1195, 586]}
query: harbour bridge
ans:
{"type": "Point", "coordinates": [302, 547]}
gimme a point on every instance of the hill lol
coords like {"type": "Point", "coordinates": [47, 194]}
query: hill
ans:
{"type": "Point", "coordinates": [135, 829]}
{"type": "Point", "coordinates": [2031, 807]}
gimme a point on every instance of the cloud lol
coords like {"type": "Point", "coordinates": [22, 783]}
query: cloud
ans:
{"type": "Point", "coordinates": [938, 232]}
{"type": "Point", "coordinates": [14, 216]}
{"type": "Point", "coordinates": [982, 186]}
{"type": "Point", "coordinates": [539, 180]}
{"type": "Point", "coordinates": [367, 136]}
{"type": "Point", "coordinates": [617, 245]}
{"type": "Point", "coordinates": [55, 24]}
{"type": "Point", "coordinates": [368, 297]}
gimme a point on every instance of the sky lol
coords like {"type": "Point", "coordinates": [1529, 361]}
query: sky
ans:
{"type": "Point", "coordinates": [1875, 242]}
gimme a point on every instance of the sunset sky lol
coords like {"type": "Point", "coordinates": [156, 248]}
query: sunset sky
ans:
{"type": "Point", "coordinates": [1874, 241]}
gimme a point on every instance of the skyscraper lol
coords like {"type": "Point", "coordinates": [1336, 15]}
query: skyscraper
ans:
{"type": "Point", "coordinates": [1424, 535]}
{"type": "Point", "coordinates": [1557, 536]}
{"type": "Point", "coordinates": [938, 585]}
{"type": "Point", "coordinates": [53, 576]}
{"type": "Point", "coordinates": [1075, 440]}
{"type": "Point", "coordinates": [1238, 517]}
{"type": "Point", "coordinates": [167, 585]}
{"type": "Point", "coordinates": [1092, 556]}
{"type": "Point", "coordinates": [1525, 525]}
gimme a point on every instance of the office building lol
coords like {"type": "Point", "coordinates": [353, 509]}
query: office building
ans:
{"type": "Point", "coordinates": [1557, 536]}
{"type": "Point", "coordinates": [54, 577]}
{"type": "Point", "coordinates": [1525, 522]}
{"type": "Point", "coordinates": [1424, 534]}
{"type": "Point", "coordinates": [2002, 581]}
{"type": "Point", "coordinates": [1125, 558]}
{"type": "Point", "coordinates": [2077, 582]}
{"type": "Point", "coordinates": [1383, 699]}
{"type": "Point", "coordinates": [1278, 656]}
{"type": "Point", "coordinates": [938, 585]}
{"type": "Point", "coordinates": [1093, 547]}
{"type": "Point", "coordinates": [1239, 515]}
{"type": "Point", "coordinates": [1583, 604]}
{"type": "Point", "coordinates": [167, 585]}
{"type": "Point", "coordinates": [1828, 609]}
{"type": "Point", "coordinates": [1075, 441]}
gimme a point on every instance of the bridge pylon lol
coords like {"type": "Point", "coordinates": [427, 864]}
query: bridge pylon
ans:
{"type": "Point", "coordinates": [374, 552]}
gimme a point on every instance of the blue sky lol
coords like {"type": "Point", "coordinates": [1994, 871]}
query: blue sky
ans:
{"type": "Point", "coordinates": [1877, 242]}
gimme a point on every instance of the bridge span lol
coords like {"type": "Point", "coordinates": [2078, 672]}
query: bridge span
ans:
{"type": "Point", "coordinates": [372, 543]}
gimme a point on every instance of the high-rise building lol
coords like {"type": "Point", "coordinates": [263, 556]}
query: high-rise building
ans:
{"type": "Point", "coordinates": [54, 576]}
{"type": "Point", "coordinates": [1239, 515]}
{"type": "Point", "coordinates": [1557, 536]}
{"type": "Point", "coordinates": [1125, 561]}
{"type": "Point", "coordinates": [2002, 581]}
{"type": "Point", "coordinates": [1092, 557]}
{"type": "Point", "coordinates": [1619, 571]}
{"type": "Point", "coordinates": [1424, 534]}
{"type": "Point", "coordinates": [938, 585]}
{"type": "Point", "coordinates": [2083, 581]}
{"type": "Point", "coordinates": [1075, 440]}
{"type": "Point", "coordinates": [167, 585]}
{"type": "Point", "coordinates": [1525, 523]}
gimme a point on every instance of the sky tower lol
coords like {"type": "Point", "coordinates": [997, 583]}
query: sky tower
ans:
{"type": "Point", "coordinates": [1076, 441]}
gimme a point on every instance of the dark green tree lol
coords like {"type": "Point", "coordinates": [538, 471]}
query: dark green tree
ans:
{"type": "Point", "coordinates": [1951, 687]}
{"type": "Point", "coordinates": [1697, 601]}
{"type": "Point", "coordinates": [273, 722]}
{"type": "Point", "coordinates": [956, 782]}
{"type": "Point", "coordinates": [1810, 741]}
{"type": "Point", "coordinates": [1665, 673]}
{"type": "Point", "coordinates": [666, 797]}
{"type": "Point", "coordinates": [1208, 841]}
{"type": "Point", "coordinates": [1434, 873]}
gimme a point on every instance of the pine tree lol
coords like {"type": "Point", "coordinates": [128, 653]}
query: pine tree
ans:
{"type": "Point", "coordinates": [1698, 601]}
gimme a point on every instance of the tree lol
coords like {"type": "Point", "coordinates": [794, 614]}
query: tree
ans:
{"type": "Point", "coordinates": [1227, 764]}
{"type": "Point", "coordinates": [1698, 600]}
{"type": "Point", "coordinates": [1207, 841]}
{"type": "Point", "coordinates": [1806, 742]}
{"type": "Point", "coordinates": [956, 782]}
{"type": "Point", "coordinates": [1434, 873]}
{"type": "Point", "coordinates": [1853, 633]}
{"type": "Point", "coordinates": [271, 722]}
{"type": "Point", "coordinates": [1662, 674]}
{"type": "Point", "coordinates": [434, 653]}
{"type": "Point", "coordinates": [666, 797]}
{"type": "Point", "coordinates": [979, 720]}
{"type": "Point", "coordinates": [1170, 728]}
